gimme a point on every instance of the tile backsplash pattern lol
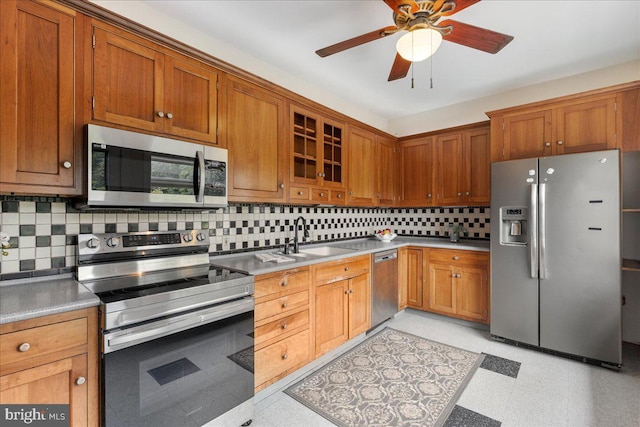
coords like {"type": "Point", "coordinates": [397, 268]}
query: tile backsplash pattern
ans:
{"type": "Point", "coordinates": [44, 231]}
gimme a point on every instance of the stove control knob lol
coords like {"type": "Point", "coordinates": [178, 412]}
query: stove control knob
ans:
{"type": "Point", "coordinates": [93, 243]}
{"type": "Point", "coordinates": [201, 237]}
{"type": "Point", "coordinates": [112, 242]}
{"type": "Point", "coordinates": [187, 237]}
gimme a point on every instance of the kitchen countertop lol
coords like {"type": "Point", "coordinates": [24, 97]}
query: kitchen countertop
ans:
{"type": "Point", "coordinates": [22, 299]}
{"type": "Point", "coordinates": [248, 263]}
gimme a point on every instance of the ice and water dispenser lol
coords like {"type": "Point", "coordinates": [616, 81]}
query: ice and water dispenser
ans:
{"type": "Point", "coordinates": [513, 229]}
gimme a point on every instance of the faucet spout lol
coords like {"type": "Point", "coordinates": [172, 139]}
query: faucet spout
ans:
{"type": "Point", "coordinates": [305, 235]}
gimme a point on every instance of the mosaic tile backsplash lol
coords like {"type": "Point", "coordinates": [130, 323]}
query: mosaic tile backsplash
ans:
{"type": "Point", "coordinates": [43, 231]}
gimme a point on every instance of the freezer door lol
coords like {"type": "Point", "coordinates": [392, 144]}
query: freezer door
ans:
{"type": "Point", "coordinates": [514, 283]}
{"type": "Point", "coordinates": [580, 267]}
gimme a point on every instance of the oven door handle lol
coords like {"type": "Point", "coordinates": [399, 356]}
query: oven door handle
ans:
{"type": "Point", "coordinates": [118, 340]}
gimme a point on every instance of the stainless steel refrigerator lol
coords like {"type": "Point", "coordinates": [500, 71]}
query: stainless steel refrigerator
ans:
{"type": "Point", "coordinates": [555, 254]}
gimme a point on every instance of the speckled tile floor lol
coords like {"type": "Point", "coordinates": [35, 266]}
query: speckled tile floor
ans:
{"type": "Point", "coordinates": [514, 387]}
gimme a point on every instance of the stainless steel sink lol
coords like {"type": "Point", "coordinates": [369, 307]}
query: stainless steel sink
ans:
{"type": "Point", "coordinates": [324, 251]}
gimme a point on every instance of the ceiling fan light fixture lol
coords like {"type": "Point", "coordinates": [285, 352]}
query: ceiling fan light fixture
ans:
{"type": "Point", "coordinates": [418, 45]}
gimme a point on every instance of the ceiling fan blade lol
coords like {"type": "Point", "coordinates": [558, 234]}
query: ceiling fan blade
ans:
{"type": "Point", "coordinates": [399, 69]}
{"type": "Point", "coordinates": [356, 41]}
{"type": "Point", "coordinates": [395, 4]}
{"type": "Point", "coordinates": [460, 5]}
{"type": "Point", "coordinates": [475, 37]}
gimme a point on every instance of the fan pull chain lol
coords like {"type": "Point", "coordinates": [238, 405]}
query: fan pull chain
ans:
{"type": "Point", "coordinates": [431, 76]}
{"type": "Point", "coordinates": [412, 66]}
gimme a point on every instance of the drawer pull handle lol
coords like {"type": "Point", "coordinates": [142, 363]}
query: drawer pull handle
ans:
{"type": "Point", "coordinates": [285, 356]}
{"type": "Point", "coordinates": [284, 305]}
{"type": "Point", "coordinates": [346, 269]}
{"type": "Point", "coordinates": [456, 257]}
{"type": "Point", "coordinates": [284, 283]}
{"type": "Point", "coordinates": [300, 193]}
{"type": "Point", "coordinates": [321, 194]}
{"type": "Point", "coordinates": [284, 326]}
{"type": "Point", "coordinates": [81, 380]}
{"type": "Point", "coordinates": [339, 196]}
{"type": "Point", "coordinates": [24, 347]}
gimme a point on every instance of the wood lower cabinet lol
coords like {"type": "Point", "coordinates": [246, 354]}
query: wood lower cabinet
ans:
{"type": "Point", "coordinates": [255, 136]}
{"type": "Point", "coordinates": [282, 325]}
{"type": "Point", "coordinates": [41, 144]}
{"type": "Point", "coordinates": [342, 301]}
{"type": "Point", "coordinates": [53, 360]}
{"type": "Point", "coordinates": [140, 85]}
{"type": "Point", "coordinates": [412, 278]}
{"type": "Point", "coordinates": [459, 284]}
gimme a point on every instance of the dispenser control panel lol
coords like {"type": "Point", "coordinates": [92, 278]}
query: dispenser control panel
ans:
{"type": "Point", "coordinates": [514, 227]}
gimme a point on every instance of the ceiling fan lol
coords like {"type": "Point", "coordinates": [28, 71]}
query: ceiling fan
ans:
{"type": "Point", "coordinates": [411, 16]}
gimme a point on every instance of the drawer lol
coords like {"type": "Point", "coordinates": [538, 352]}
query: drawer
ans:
{"type": "Point", "coordinates": [281, 327]}
{"type": "Point", "coordinates": [320, 195]}
{"type": "Point", "coordinates": [455, 257]}
{"type": "Point", "coordinates": [280, 305]}
{"type": "Point", "coordinates": [287, 282]}
{"type": "Point", "coordinates": [277, 358]}
{"type": "Point", "coordinates": [338, 197]}
{"type": "Point", "coordinates": [298, 193]}
{"type": "Point", "coordinates": [43, 340]}
{"type": "Point", "coordinates": [341, 269]}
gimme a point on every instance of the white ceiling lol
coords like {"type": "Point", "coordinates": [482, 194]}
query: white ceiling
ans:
{"type": "Point", "coordinates": [552, 39]}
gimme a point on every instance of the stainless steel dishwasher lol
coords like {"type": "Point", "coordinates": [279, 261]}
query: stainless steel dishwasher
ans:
{"type": "Point", "coordinates": [384, 286]}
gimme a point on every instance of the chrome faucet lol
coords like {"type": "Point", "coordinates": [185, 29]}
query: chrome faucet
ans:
{"type": "Point", "coordinates": [305, 235]}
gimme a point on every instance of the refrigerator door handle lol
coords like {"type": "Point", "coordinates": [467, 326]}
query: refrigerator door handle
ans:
{"type": "Point", "coordinates": [533, 232]}
{"type": "Point", "coordinates": [543, 230]}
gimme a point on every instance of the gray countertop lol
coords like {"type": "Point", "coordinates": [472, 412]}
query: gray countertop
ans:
{"type": "Point", "coordinates": [24, 299]}
{"type": "Point", "coordinates": [248, 263]}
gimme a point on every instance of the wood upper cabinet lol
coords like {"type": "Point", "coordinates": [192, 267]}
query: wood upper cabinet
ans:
{"type": "Point", "coordinates": [254, 134]}
{"type": "Point", "coordinates": [459, 284]}
{"type": "Point", "coordinates": [417, 172]}
{"type": "Point", "coordinates": [138, 84]}
{"type": "Point", "coordinates": [361, 167]}
{"type": "Point", "coordinates": [385, 163]}
{"type": "Point", "coordinates": [464, 167]}
{"type": "Point", "coordinates": [316, 158]}
{"type": "Point", "coordinates": [53, 360]}
{"type": "Point", "coordinates": [561, 126]}
{"type": "Point", "coordinates": [40, 142]}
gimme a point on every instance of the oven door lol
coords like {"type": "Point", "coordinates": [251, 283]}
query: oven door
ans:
{"type": "Point", "coordinates": [194, 377]}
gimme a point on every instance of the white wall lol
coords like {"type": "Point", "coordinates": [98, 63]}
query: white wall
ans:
{"type": "Point", "coordinates": [474, 111]}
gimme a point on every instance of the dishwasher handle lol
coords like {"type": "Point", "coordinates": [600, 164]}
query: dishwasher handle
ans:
{"type": "Point", "coordinates": [385, 256]}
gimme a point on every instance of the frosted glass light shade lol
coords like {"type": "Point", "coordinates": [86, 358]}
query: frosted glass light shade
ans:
{"type": "Point", "coordinates": [418, 45]}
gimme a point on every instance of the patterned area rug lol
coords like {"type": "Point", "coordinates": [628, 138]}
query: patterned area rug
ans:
{"type": "Point", "coordinates": [390, 379]}
{"type": "Point", "coordinates": [244, 358]}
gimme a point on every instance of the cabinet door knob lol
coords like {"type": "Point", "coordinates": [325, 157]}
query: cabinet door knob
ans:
{"type": "Point", "coordinates": [25, 346]}
{"type": "Point", "coordinates": [284, 283]}
{"type": "Point", "coordinates": [339, 196]}
{"type": "Point", "coordinates": [560, 142]}
{"type": "Point", "coordinates": [346, 269]}
{"type": "Point", "coordinates": [321, 194]}
{"type": "Point", "coordinates": [285, 356]}
{"type": "Point", "coordinates": [281, 185]}
{"type": "Point", "coordinates": [351, 193]}
{"type": "Point", "coordinates": [547, 144]}
{"type": "Point", "coordinates": [284, 305]}
{"type": "Point", "coordinates": [468, 193]}
{"type": "Point", "coordinates": [346, 292]}
{"type": "Point", "coordinates": [456, 257]}
{"type": "Point", "coordinates": [284, 326]}
{"type": "Point", "coordinates": [458, 275]}
{"type": "Point", "coordinates": [459, 194]}
{"type": "Point", "coordinates": [81, 380]}
{"type": "Point", "coordinates": [66, 164]}
{"type": "Point", "coordinates": [429, 195]}
{"type": "Point", "coordinates": [160, 114]}
{"type": "Point", "coordinates": [169, 116]}
{"type": "Point", "coordinates": [351, 291]}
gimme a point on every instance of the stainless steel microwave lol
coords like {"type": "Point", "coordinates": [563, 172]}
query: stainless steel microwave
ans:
{"type": "Point", "coordinates": [135, 170]}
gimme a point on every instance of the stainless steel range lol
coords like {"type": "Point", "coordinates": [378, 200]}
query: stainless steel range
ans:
{"type": "Point", "coordinates": [176, 334]}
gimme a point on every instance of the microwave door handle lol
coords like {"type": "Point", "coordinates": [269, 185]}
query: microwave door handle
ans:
{"type": "Point", "coordinates": [199, 176]}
